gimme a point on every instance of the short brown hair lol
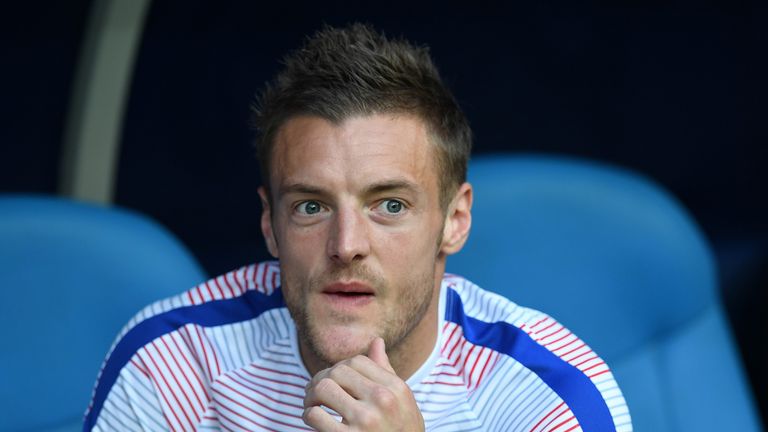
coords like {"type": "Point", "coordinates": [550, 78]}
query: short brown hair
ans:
{"type": "Point", "coordinates": [344, 72]}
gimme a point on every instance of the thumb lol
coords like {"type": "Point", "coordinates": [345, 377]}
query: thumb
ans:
{"type": "Point", "coordinates": [378, 353]}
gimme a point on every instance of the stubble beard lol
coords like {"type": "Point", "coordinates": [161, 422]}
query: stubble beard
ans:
{"type": "Point", "coordinates": [409, 308]}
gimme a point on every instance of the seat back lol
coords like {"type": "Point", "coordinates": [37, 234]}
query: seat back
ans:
{"type": "Point", "coordinates": [619, 261]}
{"type": "Point", "coordinates": [71, 275]}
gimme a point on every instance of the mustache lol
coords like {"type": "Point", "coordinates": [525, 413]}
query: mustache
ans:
{"type": "Point", "coordinates": [355, 271]}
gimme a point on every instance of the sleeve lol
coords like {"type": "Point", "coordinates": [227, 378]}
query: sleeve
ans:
{"type": "Point", "coordinates": [132, 404]}
{"type": "Point", "coordinates": [582, 371]}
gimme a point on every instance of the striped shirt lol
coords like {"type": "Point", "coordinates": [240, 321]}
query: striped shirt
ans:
{"type": "Point", "coordinates": [224, 356]}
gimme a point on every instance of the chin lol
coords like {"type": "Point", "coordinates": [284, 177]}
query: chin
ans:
{"type": "Point", "coordinates": [340, 343]}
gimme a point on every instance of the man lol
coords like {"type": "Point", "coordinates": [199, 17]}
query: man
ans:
{"type": "Point", "coordinates": [363, 153]}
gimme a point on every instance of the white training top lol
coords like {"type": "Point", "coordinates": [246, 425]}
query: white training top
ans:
{"type": "Point", "coordinates": [224, 356]}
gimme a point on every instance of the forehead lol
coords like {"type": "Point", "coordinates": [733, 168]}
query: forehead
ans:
{"type": "Point", "coordinates": [353, 153]}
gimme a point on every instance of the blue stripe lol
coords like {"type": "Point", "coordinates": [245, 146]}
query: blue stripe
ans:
{"type": "Point", "coordinates": [573, 387]}
{"type": "Point", "coordinates": [214, 313]}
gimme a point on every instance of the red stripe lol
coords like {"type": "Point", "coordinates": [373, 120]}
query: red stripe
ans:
{"type": "Point", "coordinates": [254, 271]}
{"type": "Point", "coordinates": [186, 378]}
{"type": "Point", "coordinates": [545, 328]}
{"type": "Point", "coordinates": [218, 288]}
{"type": "Point", "coordinates": [194, 369]}
{"type": "Point", "coordinates": [251, 410]}
{"type": "Point", "coordinates": [213, 353]}
{"type": "Point", "coordinates": [229, 287]}
{"type": "Point", "coordinates": [567, 333]}
{"type": "Point", "coordinates": [247, 429]}
{"type": "Point", "coordinates": [167, 388]}
{"type": "Point", "coordinates": [455, 373]}
{"type": "Point", "coordinates": [485, 366]}
{"type": "Point", "coordinates": [472, 371]}
{"type": "Point", "coordinates": [257, 402]}
{"type": "Point", "coordinates": [543, 337]}
{"type": "Point", "coordinates": [539, 322]}
{"type": "Point", "coordinates": [453, 332]}
{"type": "Point", "coordinates": [140, 368]}
{"type": "Point", "coordinates": [274, 280]}
{"type": "Point", "coordinates": [593, 366]}
{"type": "Point", "coordinates": [199, 291]}
{"type": "Point", "coordinates": [273, 380]}
{"type": "Point", "coordinates": [555, 418]}
{"type": "Point", "coordinates": [263, 280]}
{"type": "Point", "coordinates": [460, 341]}
{"type": "Point", "coordinates": [178, 384]}
{"type": "Point", "coordinates": [188, 342]}
{"type": "Point", "coordinates": [445, 383]}
{"type": "Point", "coordinates": [548, 414]}
{"type": "Point", "coordinates": [301, 377]}
{"type": "Point", "coordinates": [599, 373]}
{"type": "Point", "coordinates": [189, 294]}
{"type": "Point", "coordinates": [202, 346]}
{"type": "Point", "coordinates": [589, 351]}
{"type": "Point", "coordinates": [245, 381]}
{"type": "Point", "coordinates": [572, 428]}
{"type": "Point", "coordinates": [569, 343]}
{"type": "Point", "coordinates": [237, 281]}
{"type": "Point", "coordinates": [167, 420]}
{"type": "Point", "coordinates": [210, 293]}
{"type": "Point", "coordinates": [562, 423]}
{"type": "Point", "coordinates": [466, 361]}
{"type": "Point", "coordinates": [582, 362]}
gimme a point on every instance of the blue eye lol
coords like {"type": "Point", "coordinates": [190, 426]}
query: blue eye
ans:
{"type": "Point", "coordinates": [393, 206]}
{"type": "Point", "coordinates": [309, 207]}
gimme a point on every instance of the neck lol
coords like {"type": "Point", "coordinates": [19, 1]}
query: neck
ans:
{"type": "Point", "coordinates": [407, 357]}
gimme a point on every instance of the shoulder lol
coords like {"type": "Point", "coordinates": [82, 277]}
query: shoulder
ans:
{"type": "Point", "coordinates": [546, 349]}
{"type": "Point", "coordinates": [180, 332]}
{"type": "Point", "coordinates": [260, 278]}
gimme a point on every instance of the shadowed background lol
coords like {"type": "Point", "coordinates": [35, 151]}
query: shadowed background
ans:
{"type": "Point", "coordinates": [674, 90]}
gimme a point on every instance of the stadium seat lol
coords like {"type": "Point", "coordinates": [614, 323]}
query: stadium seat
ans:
{"type": "Point", "coordinates": [71, 275]}
{"type": "Point", "coordinates": [619, 262]}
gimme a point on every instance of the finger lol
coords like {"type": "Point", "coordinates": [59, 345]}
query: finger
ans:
{"type": "Point", "coordinates": [378, 353]}
{"type": "Point", "coordinates": [351, 380]}
{"type": "Point", "coordinates": [372, 371]}
{"type": "Point", "coordinates": [319, 419]}
{"type": "Point", "coordinates": [328, 392]}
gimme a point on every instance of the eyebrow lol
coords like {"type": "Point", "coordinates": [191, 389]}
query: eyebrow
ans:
{"type": "Point", "coordinates": [375, 188]}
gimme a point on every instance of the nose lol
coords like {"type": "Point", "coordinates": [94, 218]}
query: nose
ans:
{"type": "Point", "coordinates": [349, 237]}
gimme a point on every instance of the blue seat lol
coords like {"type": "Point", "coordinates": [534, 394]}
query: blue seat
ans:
{"type": "Point", "coordinates": [71, 275]}
{"type": "Point", "coordinates": [619, 261]}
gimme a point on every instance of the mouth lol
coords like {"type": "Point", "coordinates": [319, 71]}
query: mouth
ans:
{"type": "Point", "coordinates": [348, 289]}
{"type": "Point", "coordinates": [349, 294]}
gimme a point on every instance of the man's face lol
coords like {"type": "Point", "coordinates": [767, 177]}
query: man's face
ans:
{"type": "Point", "coordinates": [356, 222]}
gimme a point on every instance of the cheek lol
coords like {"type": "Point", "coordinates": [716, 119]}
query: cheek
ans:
{"type": "Point", "coordinates": [409, 247]}
{"type": "Point", "coordinates": [302, 244]}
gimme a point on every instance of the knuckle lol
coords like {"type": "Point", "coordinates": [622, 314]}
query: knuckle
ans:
{"type": "Point", "coordinates": [324, 385]}
{"type": "Point", "coordinates": [384, 398]}
{"type": "Point", "coordinates": [338, 371]}
{"type": "Point", "coordinates": [401, 388]}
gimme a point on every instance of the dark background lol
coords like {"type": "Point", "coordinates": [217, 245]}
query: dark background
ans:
{"type": "Point", "coordinates": [674, 90]}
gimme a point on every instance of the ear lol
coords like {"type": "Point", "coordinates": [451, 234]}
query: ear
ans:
{"type": "Point", "coordinates": [458, 221]}
{"type": "Point", "coordinates": [266, 223]}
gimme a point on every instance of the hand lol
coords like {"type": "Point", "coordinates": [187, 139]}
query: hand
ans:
{"type": "Point", "coordinates": [366, 392]}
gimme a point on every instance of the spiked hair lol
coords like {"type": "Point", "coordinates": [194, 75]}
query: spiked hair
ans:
{"type": "Point", "coordinates": [353, 71]}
